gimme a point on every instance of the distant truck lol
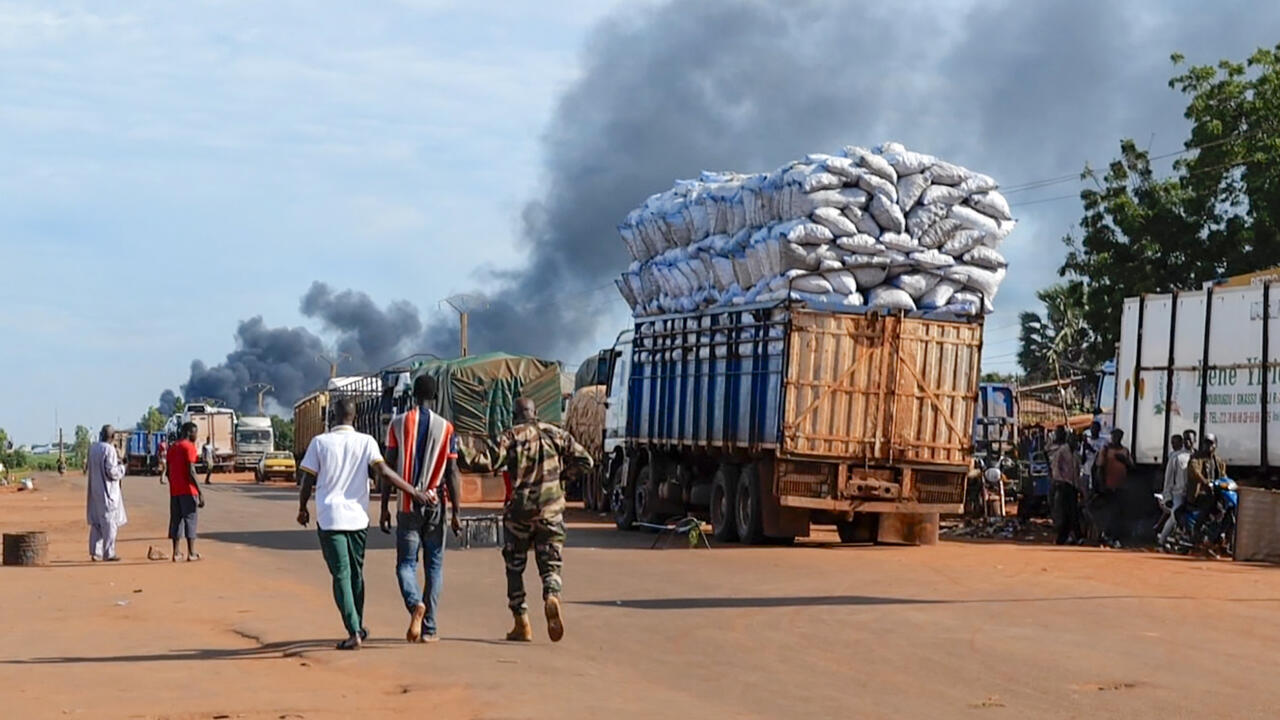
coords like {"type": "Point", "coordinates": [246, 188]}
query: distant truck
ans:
{"type": "Point", "coordinates": [144, 452]}
{"type": "Point", "coordinates": [254, 438]}
{"type": "Point", "coordinates": [215, 427]}
{"type": "Point", "coordinates": [769, 418]}
{"type": "Point", "coordinates": [1194, 360]}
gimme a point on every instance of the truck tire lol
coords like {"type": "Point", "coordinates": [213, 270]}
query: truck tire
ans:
{"type": "Point", "coordinates": [750, 515]}
{"type": "Point", "coordinates": [724, 503]}
{"type": "Point", "coordinates": [648, 506]}
{"type": "Point", "coordinates": [589, 491]}
{"type": "Point", "coordinates": [622, 500]}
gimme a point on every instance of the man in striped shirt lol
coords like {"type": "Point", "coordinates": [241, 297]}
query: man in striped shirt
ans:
{"type": "Point", "coordinates": [422, 446]}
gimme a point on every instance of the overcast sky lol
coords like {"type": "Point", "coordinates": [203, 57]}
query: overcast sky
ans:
{"type": "Point", "coordinates": [169, 170]}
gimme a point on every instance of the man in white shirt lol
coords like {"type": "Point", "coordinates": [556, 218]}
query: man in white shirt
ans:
{"type": "Point", "coordinates": [338, 463]}
{"type": "Point", "coordinates": [1175, 484]}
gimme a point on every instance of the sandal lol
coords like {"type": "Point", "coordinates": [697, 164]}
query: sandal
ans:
{"type": "Point", "coordinates": [351, 643]}
{"type": "Point", "coordinates": [364, 634]}
{"type": "Point", "coordinates": [177, 557]}
{"type": "Point", "coordinates": [193, 557]}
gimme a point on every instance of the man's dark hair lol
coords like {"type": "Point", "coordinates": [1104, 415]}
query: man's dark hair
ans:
{"type": "Point", "coordinates": [1060, 435]}
{"type": "Point", "coordinates": [345, 409]}
{"type": "Point", "coordinates": [424, 388]}
{"type": "Point", "coordinates": [1176, 442]}
{"type": "Point", "coordinates": [187, 427]}
{"type": "Point", "coordinates": [105, 433]}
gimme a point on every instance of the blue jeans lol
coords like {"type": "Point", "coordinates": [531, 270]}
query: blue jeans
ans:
{"type": "Point", "coordinates": [414, 532]}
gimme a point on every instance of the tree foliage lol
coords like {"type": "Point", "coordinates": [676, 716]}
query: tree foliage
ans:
{"type": "Point", "coordinates": [152, 420]}
{"type": "Point", "coordinates": [282, 429]}
{"type": "Point", "coordinates": [1216, 214]}
{"type": "Point", "coordinates": [80, 448]}
{"type": "Point", "coordinates": [1059, 343]}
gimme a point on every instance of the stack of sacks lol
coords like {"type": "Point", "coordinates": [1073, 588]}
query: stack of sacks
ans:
{"type": "Point", "coordinates": [884, 228]}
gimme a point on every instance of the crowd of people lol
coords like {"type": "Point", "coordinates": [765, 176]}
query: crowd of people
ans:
{"type": "Point", "coordinates": [421, 464]}
{"type": "Point", "coordinates": [1092, 495]}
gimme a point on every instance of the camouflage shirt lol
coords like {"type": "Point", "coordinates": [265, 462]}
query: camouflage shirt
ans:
{"type": "Point", "coordinates": [534, 454]}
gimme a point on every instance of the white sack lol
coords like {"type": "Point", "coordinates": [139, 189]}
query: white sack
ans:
{"type": "Point", "coordinates": [876, 185]}
{"type": "Point", "coordinates": [910, 188]}
{"type": "Point", "coordinates": [991, 203]}
{"type": "Point", "coordinates": [835, 221]}
{"type": "Point", "coordinates": [922, 217]}
{"type": "Point", "coordinates": [887, 296]}
{"type": "Point", "coordinates": [916, 284]}
{"type": "Point", "coordinates": [942, 195]}
{"type": "Point", "coordinates": [973, 218]}
{"type": "Point", "coordinates": [977, 182]}
{"type": "Point", "coordinates": [906, 162]}
{"type": "Point", "coordinates": [863, 221]}
{"type": "Point", "coordinates": [887, 214]}
{"type": "Point", "coordinates": [986, 257]}
{"type": "Point", "coordinates": [962, 241]}
{"type": "Point", "coordinates": [860, 243]}
{"type": "Point", "coordinates": [841, 281]}
{"type": "Point", "coordinates": [901, 242]}
{"type": "Point", "coordinates": [937, 296]}
{"type": "Point", "coordinates": [932, 260]}
{"type": "Point", "coordinates": [945, 173]}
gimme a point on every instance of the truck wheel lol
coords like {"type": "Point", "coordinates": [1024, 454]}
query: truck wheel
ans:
{"type": "Point", "coordinates": [724, 503]}
{"type": "Point", "coordinates": [623, 504]}
{"type": "Point", "coordinates": [647, 502]}
{"type": "Point", "coordinates": [749, 518]}
{"type": "Point", "coordinates": [589, 492]}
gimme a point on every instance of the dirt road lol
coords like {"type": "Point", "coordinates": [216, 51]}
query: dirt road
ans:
{"type": "Point", "coordinates": [958, 630]}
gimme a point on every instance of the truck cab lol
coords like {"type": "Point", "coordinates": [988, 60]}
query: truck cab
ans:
{"type": "Point", "coordinates": [254, 439]}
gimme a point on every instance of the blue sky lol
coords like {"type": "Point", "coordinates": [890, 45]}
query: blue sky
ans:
{"type": "Point", "coordinates": [168, 169]}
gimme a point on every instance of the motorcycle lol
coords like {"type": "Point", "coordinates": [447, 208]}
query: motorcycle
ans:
{"type": "Point", "coordinates": [1210, 527]}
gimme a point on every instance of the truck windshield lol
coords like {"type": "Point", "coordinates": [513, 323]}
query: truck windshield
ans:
{"type": "Point", "coordinates": [253, 436]}
{"type": "Point", "coordinates": [1107, 392]}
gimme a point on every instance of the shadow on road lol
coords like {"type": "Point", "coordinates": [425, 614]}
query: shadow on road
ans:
{"type": "Point", "coordinates": [275, 650]}
{"type": "Point", "coordinates": [729, 603]}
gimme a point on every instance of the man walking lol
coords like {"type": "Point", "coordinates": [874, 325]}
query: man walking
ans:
{"type": "Point", "coordinates": [1064, 468]}
{"type": "Point", "coordinates": [422, 447]}
{"type": "Point", "coordinates": [338, 464]}
{"type": "Point", "coordinates": [532, 453]}
{"type": "Point", "coordinates": [185, 496]}
{"type": "Point", "coordinates": [105, 502]}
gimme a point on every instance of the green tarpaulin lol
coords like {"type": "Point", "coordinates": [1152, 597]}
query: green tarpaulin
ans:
{"type": "Point", "coordinates": [477, 393]}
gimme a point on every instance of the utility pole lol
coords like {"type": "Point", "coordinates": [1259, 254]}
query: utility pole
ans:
{"type": "Point", "coordinates": [464, 304]}
{"type": "Point", "coordinates": [333, 363]}
{"type": "Point", "coordinates": [261, 389]}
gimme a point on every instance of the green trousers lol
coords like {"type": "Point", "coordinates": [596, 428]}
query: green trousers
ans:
{"type": "Point", "coordinates": [344, 554]}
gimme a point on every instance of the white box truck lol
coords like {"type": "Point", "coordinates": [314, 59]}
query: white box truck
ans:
{"type": "Point", "coordinates": [1195, 360]}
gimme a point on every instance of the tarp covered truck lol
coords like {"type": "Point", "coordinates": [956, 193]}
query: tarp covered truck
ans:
{"type": "Point", "coordinates": [769, 418]}
{"type": "Point", "coordinates": [1195, 360]}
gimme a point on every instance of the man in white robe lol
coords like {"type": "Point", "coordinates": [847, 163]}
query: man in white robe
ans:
{"type": "Point", "coordinates": [105, 505]}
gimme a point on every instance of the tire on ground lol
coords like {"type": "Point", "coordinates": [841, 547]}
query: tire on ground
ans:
{"type": "Point", "coordinates": [622, 501]}
{"type": "Point", "coordinates": [724, 503]}
{"type": "Point", "coordinates": [750, 511]}
{"type": "Point", "coordinates": [647, 503]}
{"type": "Point", "coordinates": [861, 529]}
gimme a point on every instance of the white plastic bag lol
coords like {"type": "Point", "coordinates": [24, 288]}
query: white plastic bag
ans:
{"type": "Point", "coordinates": [991, 203]}
{"type": "Point", "coordinates": [863, 221]}
{"type": "Point", "coordinates": [901, 242]}
{"type": "Point", "coordinates": [835, 221]}
{"type": "Point", "coordinates": [986, 257]}
{"type": "Point", "coordinates": [910, 188]}
{"type": "Point", "coordinates": [887, 214]}
{"type": "Point", "coordinates": [887, 296]}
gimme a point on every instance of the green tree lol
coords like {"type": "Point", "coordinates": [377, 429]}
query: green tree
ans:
{"type": "Point", "coordinates": [80, 448]}
{"type": "Point", "coordinates": [282, 429]}
{"type": "Point", "coordinates": [152, 420]}
{"type": "Point", "coordinates": [178, 404]}
{"type": "Point", "coordinates": [1059, 343]}
{"type": "Point", "coordinates": [1217, 213]}
{"type": "Point", "coordinates": [997, 377]}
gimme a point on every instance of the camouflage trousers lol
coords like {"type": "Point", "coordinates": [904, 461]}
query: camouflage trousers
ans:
{"type": "Point", "coordinates": [546, 536]}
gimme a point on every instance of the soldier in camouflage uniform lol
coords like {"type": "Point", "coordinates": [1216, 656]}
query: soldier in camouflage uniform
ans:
{"type": "Point", "coordinates": [533, 454]}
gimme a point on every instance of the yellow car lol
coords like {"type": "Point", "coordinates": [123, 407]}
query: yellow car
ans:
{"type": "Point", "coordinates": [276, 465]}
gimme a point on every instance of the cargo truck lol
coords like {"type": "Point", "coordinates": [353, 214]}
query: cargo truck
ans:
{"type": "Point", "coordinates": [215, 427]}
{"type": "Point", "coordinates": [254, 439]}
{"type": "Point", "coordinates": [770, 418]}
{"type": "Point", "coordinates": [1206, 360]}
{"type": "Point", "coordinates": [144, 451]}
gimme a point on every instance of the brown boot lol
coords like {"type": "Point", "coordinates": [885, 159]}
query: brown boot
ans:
{"type": "Point", "coordinates": [523, 631]}
{"type": "Point", "coordinates": [555, 624]}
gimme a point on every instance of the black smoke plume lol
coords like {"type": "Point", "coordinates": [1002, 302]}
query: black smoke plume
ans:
{"type": "Point", "coordinates": [1020, 90]}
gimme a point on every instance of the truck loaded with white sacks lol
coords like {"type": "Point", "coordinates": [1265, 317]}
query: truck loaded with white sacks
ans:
{"type": "Point", "coordinates": [806, 348]}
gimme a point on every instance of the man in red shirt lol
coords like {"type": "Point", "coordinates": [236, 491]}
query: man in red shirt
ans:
{"type": "Point", "coordinates": [184, 492]}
